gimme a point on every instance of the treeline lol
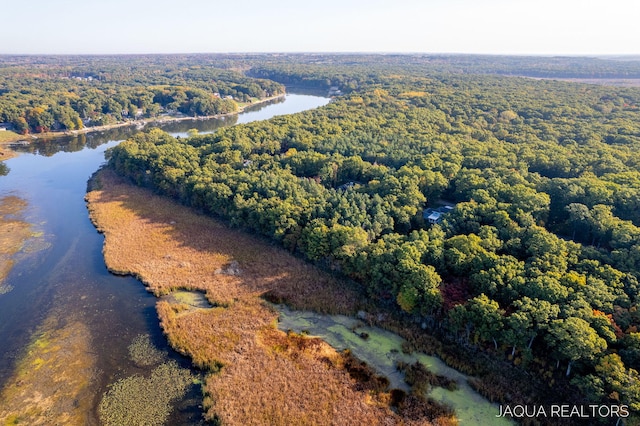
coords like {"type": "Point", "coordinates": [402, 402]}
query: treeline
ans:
{"type": "Point", "coordinates": [321, 70]}
{"type": "Point", "coordinates": [70, 93]}
{"type": "Point", "coordinates": [539, 260]}
{"type": "Point", "coordinates": [43, 93]}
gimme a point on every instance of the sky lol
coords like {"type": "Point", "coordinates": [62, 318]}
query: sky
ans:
{"type": "Point", "coordinates": [523, 27]}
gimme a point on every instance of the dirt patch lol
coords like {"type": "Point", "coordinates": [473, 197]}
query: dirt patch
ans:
{"type": "Point", "coordinates": [258, 374]}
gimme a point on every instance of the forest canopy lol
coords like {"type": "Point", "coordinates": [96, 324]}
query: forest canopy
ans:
{"type": "Point", "coordinates": [70, 93]}
{"type": "Point", "coordinates": [539, 259]}
{"type": "Point", "coordinates": [536, 264]}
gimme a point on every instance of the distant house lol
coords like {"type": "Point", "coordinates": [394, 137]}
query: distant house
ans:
{"type": "Point", "coordinates": [432, 216]}
{"type": "Point", "coordinates": [5, 126]}
{"type": "Point", "coordinates": [435, 216]}
{"type": "Point", "coordinates": [334, 91]}
{"type": "Point", "coordinates": [346, 186]}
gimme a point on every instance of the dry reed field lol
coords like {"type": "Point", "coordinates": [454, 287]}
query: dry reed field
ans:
{"type": "Point", "coordinates": [258, 374]}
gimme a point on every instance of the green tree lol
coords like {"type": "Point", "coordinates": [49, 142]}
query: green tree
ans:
{"type": "Point", "coordinates": [573, 339]}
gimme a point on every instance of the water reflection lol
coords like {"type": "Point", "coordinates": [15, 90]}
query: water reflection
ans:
{"type": "Point", "coordinates": [74, 143]}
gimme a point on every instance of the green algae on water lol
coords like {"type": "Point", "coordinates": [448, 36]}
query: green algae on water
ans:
{"type": "Point", "coordinates": [143, 353]}
{"type": "Point", "coordinates": [382, 350]}
{"type": "Point", "coordinates": [138, 400]}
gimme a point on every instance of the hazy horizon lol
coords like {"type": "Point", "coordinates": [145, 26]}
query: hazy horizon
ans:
{"type": "Point", "coordinates": [622, 56]}
{"type": "Point", "coordinates": [491, 27]}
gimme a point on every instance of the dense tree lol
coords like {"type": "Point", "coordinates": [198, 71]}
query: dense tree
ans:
{"type": "Point", "coordinates": [539, 258]}
{"type": "Point", "coordinates": [69, 93]}
{"type": "Point", "coordinates": [574, 339]}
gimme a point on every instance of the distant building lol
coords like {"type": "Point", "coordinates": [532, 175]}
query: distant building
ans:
{"type": "Point", "coordinates": [346, 186]}
{"type": "Point", "coordinates": [435, 216]}
{"type": "Point", "coordinates": [5, 126]}
{"type": "Point", "coordinates": [334, 91]}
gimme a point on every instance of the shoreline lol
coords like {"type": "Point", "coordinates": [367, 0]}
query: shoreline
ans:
{"type": "Point", "coordinates": [141, 122]}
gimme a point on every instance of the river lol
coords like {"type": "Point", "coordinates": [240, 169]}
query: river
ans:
{"type": "Point", "coordinates": [59, 299]}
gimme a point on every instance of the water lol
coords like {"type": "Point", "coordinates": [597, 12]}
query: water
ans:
{"type": "Point", "coordinates": [65, 281]}
{"type": "Point", "coordinates": [293, 103]}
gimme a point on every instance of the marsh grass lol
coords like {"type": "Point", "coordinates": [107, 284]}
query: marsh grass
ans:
{"type": "Point", "coordinates": [258, 375]}
{"type": "Point", "coordinates": [9, 136]}
{"type": "Point", "coordinates": [292, 379]}
{"type": "Point", "coordinates": [170, 247]}
{"type": "Point", "coordinates": [415, 408]}
{"type": "Point", "coordinates": [422, 380]}
{"type": "Point", "coordinates": [364, 375]}
{"type": "Point", "coordinates": [5, 138]}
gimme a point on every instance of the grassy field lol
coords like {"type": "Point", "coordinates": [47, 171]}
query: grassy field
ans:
{"type": "Point", "coordinates": [257, 374]}
{"type": "Point", "coordinates": [6, 137]}
{"type": "Point", "coordinates": [9, 136]}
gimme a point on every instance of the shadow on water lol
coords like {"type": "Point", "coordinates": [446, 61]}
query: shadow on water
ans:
{"type": "Point", "coordinates": [73, 143]}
